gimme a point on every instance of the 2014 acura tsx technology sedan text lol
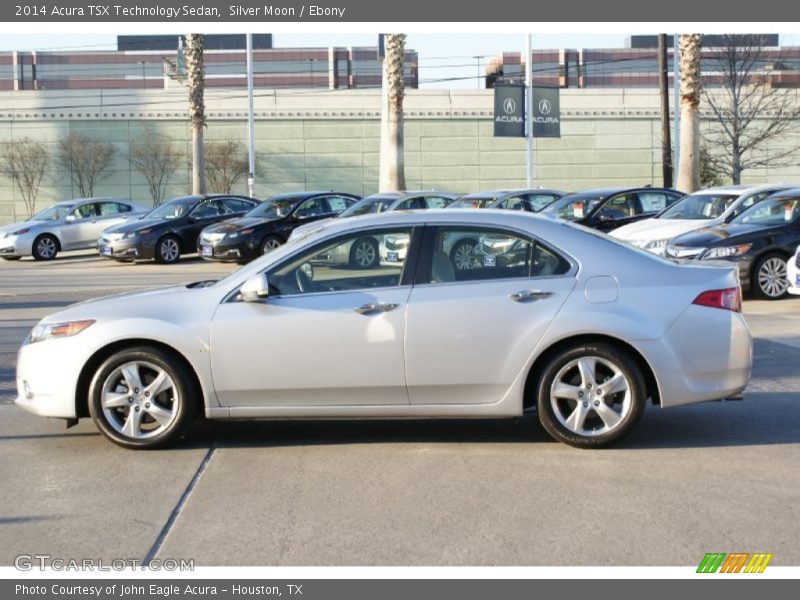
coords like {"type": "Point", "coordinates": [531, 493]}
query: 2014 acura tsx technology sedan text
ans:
{"type": "Point", "coordinates": [553, 317]}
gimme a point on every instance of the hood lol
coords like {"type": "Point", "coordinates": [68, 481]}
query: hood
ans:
{"type": "Point", "coordinates": [136, 225]}
{"type": "Point", "coordinates": [660, 229]}
{"type": "Point", "coordinates": [127, 305]}
{"type": "Point", "coordinates": [239, 224]}
{"type": "Point", "coordinates": [11, 227]}
{"type": "Point", "coordinates": [721, 234]}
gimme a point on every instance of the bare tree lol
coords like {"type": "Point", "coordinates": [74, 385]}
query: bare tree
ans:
{"type": "Point", "coordinates": [86, 159]}
{"type": "Point", "coordinates": [750, 112]}
{"type": "Point", "coordinates": [392, 171]}
{"type": "Point", "coordinates": [157, 158]}
{"type": "Point", "coordinates": [25, 161]}
{"type": "Point", "coordinates": [690, 86]}
{"type": "Point", "coordinates": [226, 164]}
{"type": "Point", "coordinates": [195, 73]}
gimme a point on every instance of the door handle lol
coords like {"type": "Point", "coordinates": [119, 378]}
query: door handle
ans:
{"type": "Point", "coordinates": [375, 307]}
{"type": "Point", "coordinates": [530, 295]}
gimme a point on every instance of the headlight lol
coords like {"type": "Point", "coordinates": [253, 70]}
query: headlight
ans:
{"type": "Point", "coordinates": [727, 251]}
{"type": "Point", "coordinates": [235, 234]}
{"type": "Point", "coordinates": [21, 231]}
{"type": "Point", "coordinates": [656, 245]}
{"type": "Point", "coordinates": [47, 331]}
{"type": "Point", "coordinates": [133, 234]}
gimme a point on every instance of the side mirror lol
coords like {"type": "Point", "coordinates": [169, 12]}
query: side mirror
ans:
{"type": "Point", "coordinates": [69, 218]}
{"type": "Point", "coordinates": [255, 289]}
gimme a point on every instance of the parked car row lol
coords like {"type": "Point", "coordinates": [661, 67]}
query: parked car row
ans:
{"type": "Point", "coordinates": [756, 227]}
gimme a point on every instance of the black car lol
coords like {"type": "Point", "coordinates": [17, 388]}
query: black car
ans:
{"type": "Point", "coordinates": [609, 208]}
{"type": "Point", "coordinates": [759, 242]}
{"type": "Point", "coordinates": [172, 229]}
{"type": "Point", "coordinates": [529, 200]}
{"type": "Point", "coordinates": [269, 225]}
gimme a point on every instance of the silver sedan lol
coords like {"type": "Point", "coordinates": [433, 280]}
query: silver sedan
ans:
{"type": "Point", "coordinates": [552, 318]}
{"type": "Point", "coordinates": [63, 226]}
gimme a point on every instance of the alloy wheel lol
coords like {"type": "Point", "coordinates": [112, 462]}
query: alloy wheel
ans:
{"type": "Point", "coordinates": [46, 248]}
{"type": "Point", "coordinates": [365, 254]}
{"type": "Point", "coordinates": [168, 249]}
{"type": "Point", "coordinates": [464, 256]}
{"type": "Point", "coordinates": [590, 396]}
{"type": "Point", "coordinates": [269, 245]}
{"type": "Point", "coordinates": [140, 400]}
{"type": "Point", "coordinates": [772, 277]}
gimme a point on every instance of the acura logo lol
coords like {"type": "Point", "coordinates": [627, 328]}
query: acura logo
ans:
{"type": "Point", "coordinates": [509, 106]}
{"type": "Point", "coordinates": [545, 107]}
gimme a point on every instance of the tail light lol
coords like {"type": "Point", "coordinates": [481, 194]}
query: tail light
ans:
{"type": "Point", "coordinates": [727, 299]}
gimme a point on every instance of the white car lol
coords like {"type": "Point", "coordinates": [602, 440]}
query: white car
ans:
{"type": "Point", "coordinates": [705, 208]}
{"type": "Point", "coordinates": [564, 321]}
{"type": "Point", "coordinates": [793, 273]}
{"type": "Point", "coordinates": [63, 226]}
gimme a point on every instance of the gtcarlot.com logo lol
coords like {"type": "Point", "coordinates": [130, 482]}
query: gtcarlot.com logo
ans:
{"type": "Point", "coordinates": [736, 562]}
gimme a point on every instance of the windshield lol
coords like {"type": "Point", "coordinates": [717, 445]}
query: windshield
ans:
{"type": "Point", "coordinates": [368, 206]}
{"type": "Point", "coordinates": [699, 207]}
{"type": "Point", "coordinates": [174, 209]}
{"type": "Point", "coordinates": [274, 209]}
{"type": "Point", "coordinates": [53, 213]}
{"type": "Point", "coordinates": [472, 202]}
{"type": "Point", "coordinates": [573, 207]}
{"type": "Point", "coordinates": [775, 211]}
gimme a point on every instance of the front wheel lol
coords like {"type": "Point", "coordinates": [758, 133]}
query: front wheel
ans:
{"type": "Point", "coordinates": [463, 255]}
{"type": "Point", "coordinates": [364, 253]}
{"type": "Point", "coordinates": [168, 250]}
{"type": "Point", "coordinates": [45, 247]}
{"type": "Point", "coordinates": [142, 398]}
{"type": "Point", "coordinates": [270, 243]}
{"type": "Point", "coordinates": [591, 396]}
{"type": "Point", "coordinates": [768, 280]}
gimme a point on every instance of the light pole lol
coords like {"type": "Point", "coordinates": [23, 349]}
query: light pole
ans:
{"type": "Point", "coordinates": [251, 154]}
{"type": "Point", "coordinates": [144, 75]}
{"type": "Point", "coordinates": [478, 58]}
{"type": "Point", "coordinates": [311, 72]}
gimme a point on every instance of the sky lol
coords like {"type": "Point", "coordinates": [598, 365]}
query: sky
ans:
{"type": "Point", "coordinates": [458, 57]}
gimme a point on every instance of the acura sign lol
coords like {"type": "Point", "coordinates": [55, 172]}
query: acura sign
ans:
{"type": "Point", "coordinates": [509, 110]}
{"type": "Point", "coordinates": [546, 113]}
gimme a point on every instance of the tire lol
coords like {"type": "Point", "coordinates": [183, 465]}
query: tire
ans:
{"type": "Point", "coordinates": [462, 254]}
{"type": "Point", "coordinates": [364, 253]}
{"type": "Point", "coordinates": [45, 247]}
{"type": "Point", "coordinates": [578, 370]}
{"type": "Point", "coordinates": [160, 419]}
{"type": "Point", "coordinates": [12, 257]}
{"type": "Point", "coordinates": [168, 250]}
{"type": "Point", "coordinates": [269, 243]}
{"type": "Point", "coordinates": [768, 277]}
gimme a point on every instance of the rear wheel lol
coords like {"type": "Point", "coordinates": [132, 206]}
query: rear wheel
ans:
{"type": "Point", "coordinates": [768, 279]}
{"type": "Point", "coordinates": [168, 250]}
{"type": "Point", "coordinates": [591, 395]}
{"type": "Point", "coordinates": [142, 398]}
{"type": "Point", "coordinates": [45, 247]}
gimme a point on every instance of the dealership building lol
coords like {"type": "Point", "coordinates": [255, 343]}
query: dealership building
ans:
{"type": "Point", "coordinates": [328, 137]}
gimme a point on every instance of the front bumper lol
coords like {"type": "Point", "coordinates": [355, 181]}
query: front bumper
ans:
{"type": "Point", "coordinates": [793, 275]}
{"type": "Point", "coordinates": [235, 250]}
{"type": "Point", "coordinates": [47, 377]}
{"type": "Point", "coordinates": [16, 245]}
{"type": "Point", "coordinates": [138, 248]}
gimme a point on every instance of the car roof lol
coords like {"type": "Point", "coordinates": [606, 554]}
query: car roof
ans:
{"type": "Point", "coordinates": [787, 193]}
{"type": "Point", "coordinates": [406, 194]}
{"type": "Point", "coordinates": [510, 191]}
{"type": "Point", "coordinates": [739, 189]}
{"type": "Point", "coordinates": [300, 195]}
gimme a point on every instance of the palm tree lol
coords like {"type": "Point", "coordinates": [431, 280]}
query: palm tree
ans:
{"type": "Point", "coordinates": [195, 73]}
{"type": "Point", "coordinates": [392, 171]}
{"type": "Point", "coordinates": [689, 171]}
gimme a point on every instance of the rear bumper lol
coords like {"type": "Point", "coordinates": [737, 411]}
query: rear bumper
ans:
{"type": "Point", "coordinates": [707, 354]}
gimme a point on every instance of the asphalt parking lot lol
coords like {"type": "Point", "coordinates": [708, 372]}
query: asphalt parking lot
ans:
{"type": "Point", "coordinates": [690, 480]}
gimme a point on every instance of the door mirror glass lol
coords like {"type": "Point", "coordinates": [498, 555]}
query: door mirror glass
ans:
{"type": "Point", "coordinates": [255, 289]}
{"type": "Point", "coordinates": [69, 218]}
